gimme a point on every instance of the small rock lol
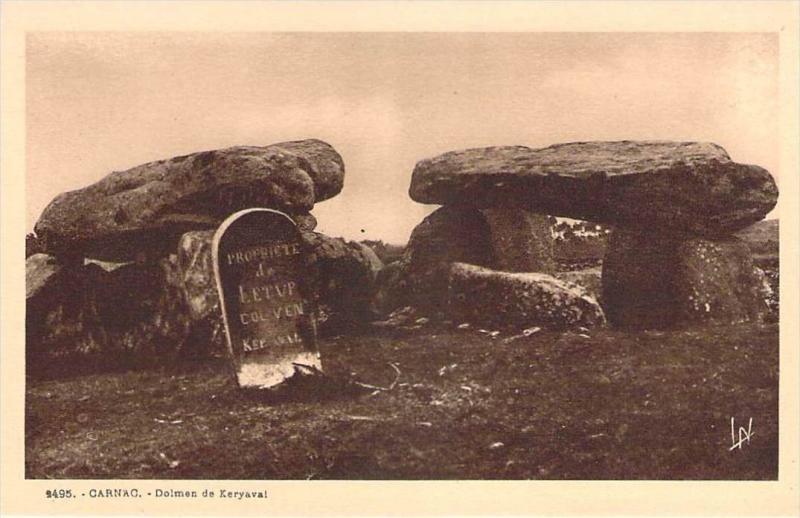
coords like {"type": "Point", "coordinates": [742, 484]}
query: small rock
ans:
{"type": "Point", "coordinates": [447, 368]}
{"type": "Point", "coordinates": [531, 330]}
{"type": "Point", "coordinates": [171, 463]}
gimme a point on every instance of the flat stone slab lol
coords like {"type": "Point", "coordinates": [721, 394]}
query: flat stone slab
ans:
{"type": "Point", "coordinates": [266, 304]}
{"type": "Point", "coordinates": [145, 210]}
{"type": "Point", "coordinates": [518, 300]}
{"type": "Point", "coordinates": [691, 187]}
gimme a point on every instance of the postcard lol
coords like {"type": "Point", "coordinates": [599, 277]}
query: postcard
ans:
{"type": "Point", "coordinates": [400, 258]}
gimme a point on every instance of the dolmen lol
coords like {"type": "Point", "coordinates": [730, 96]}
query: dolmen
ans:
{"type": "Point", "coordinates": [671, 259]}
{"type": "Point", "coordinates": [124, 269]}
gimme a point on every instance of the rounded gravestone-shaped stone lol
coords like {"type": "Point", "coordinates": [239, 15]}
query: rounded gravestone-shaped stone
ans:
{"type": "Point", "coordinates": [258, 265]}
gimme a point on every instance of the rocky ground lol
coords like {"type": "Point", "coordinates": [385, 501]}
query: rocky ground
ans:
{"type": "Point", "coordinates": [448, 404]}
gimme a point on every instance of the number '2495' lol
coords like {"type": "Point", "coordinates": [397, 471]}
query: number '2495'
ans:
{"type": "Point", "coordinates": [59, 493]}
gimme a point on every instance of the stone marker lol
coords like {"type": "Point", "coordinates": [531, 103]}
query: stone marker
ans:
{"type": "Point", "coordinates": [258, 265]}
{"type": "Point", "coordinates": [692, 187]}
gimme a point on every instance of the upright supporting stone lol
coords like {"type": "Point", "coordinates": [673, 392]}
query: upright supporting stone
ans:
{"type": "Point", "coordinates": [638, 278]}
{"type": "Point", "coordinates": [522, 241]}
{"type": "Point", "coordinates": [657, 281]}
{"type": "Point", "coordinates": [447, 235]}
{"type": "Point", "coordinates": [257, 255]}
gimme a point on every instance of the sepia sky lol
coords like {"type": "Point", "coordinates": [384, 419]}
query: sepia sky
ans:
{"type": "Point", "coordinates": [98, 102]}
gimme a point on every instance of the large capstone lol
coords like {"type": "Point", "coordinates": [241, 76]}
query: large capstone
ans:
{"type": "Point", "coordinates": [682, 186]}
{"type": "Point", "coordinates": [143, 211]}
{"type": "Point", "coordinates": [518, 300]}
{"type": "Point", "coordinates": [653, 280]}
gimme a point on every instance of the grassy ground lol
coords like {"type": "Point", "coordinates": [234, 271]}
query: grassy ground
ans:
{"type": "Point", "coordinates": [612, 405]}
